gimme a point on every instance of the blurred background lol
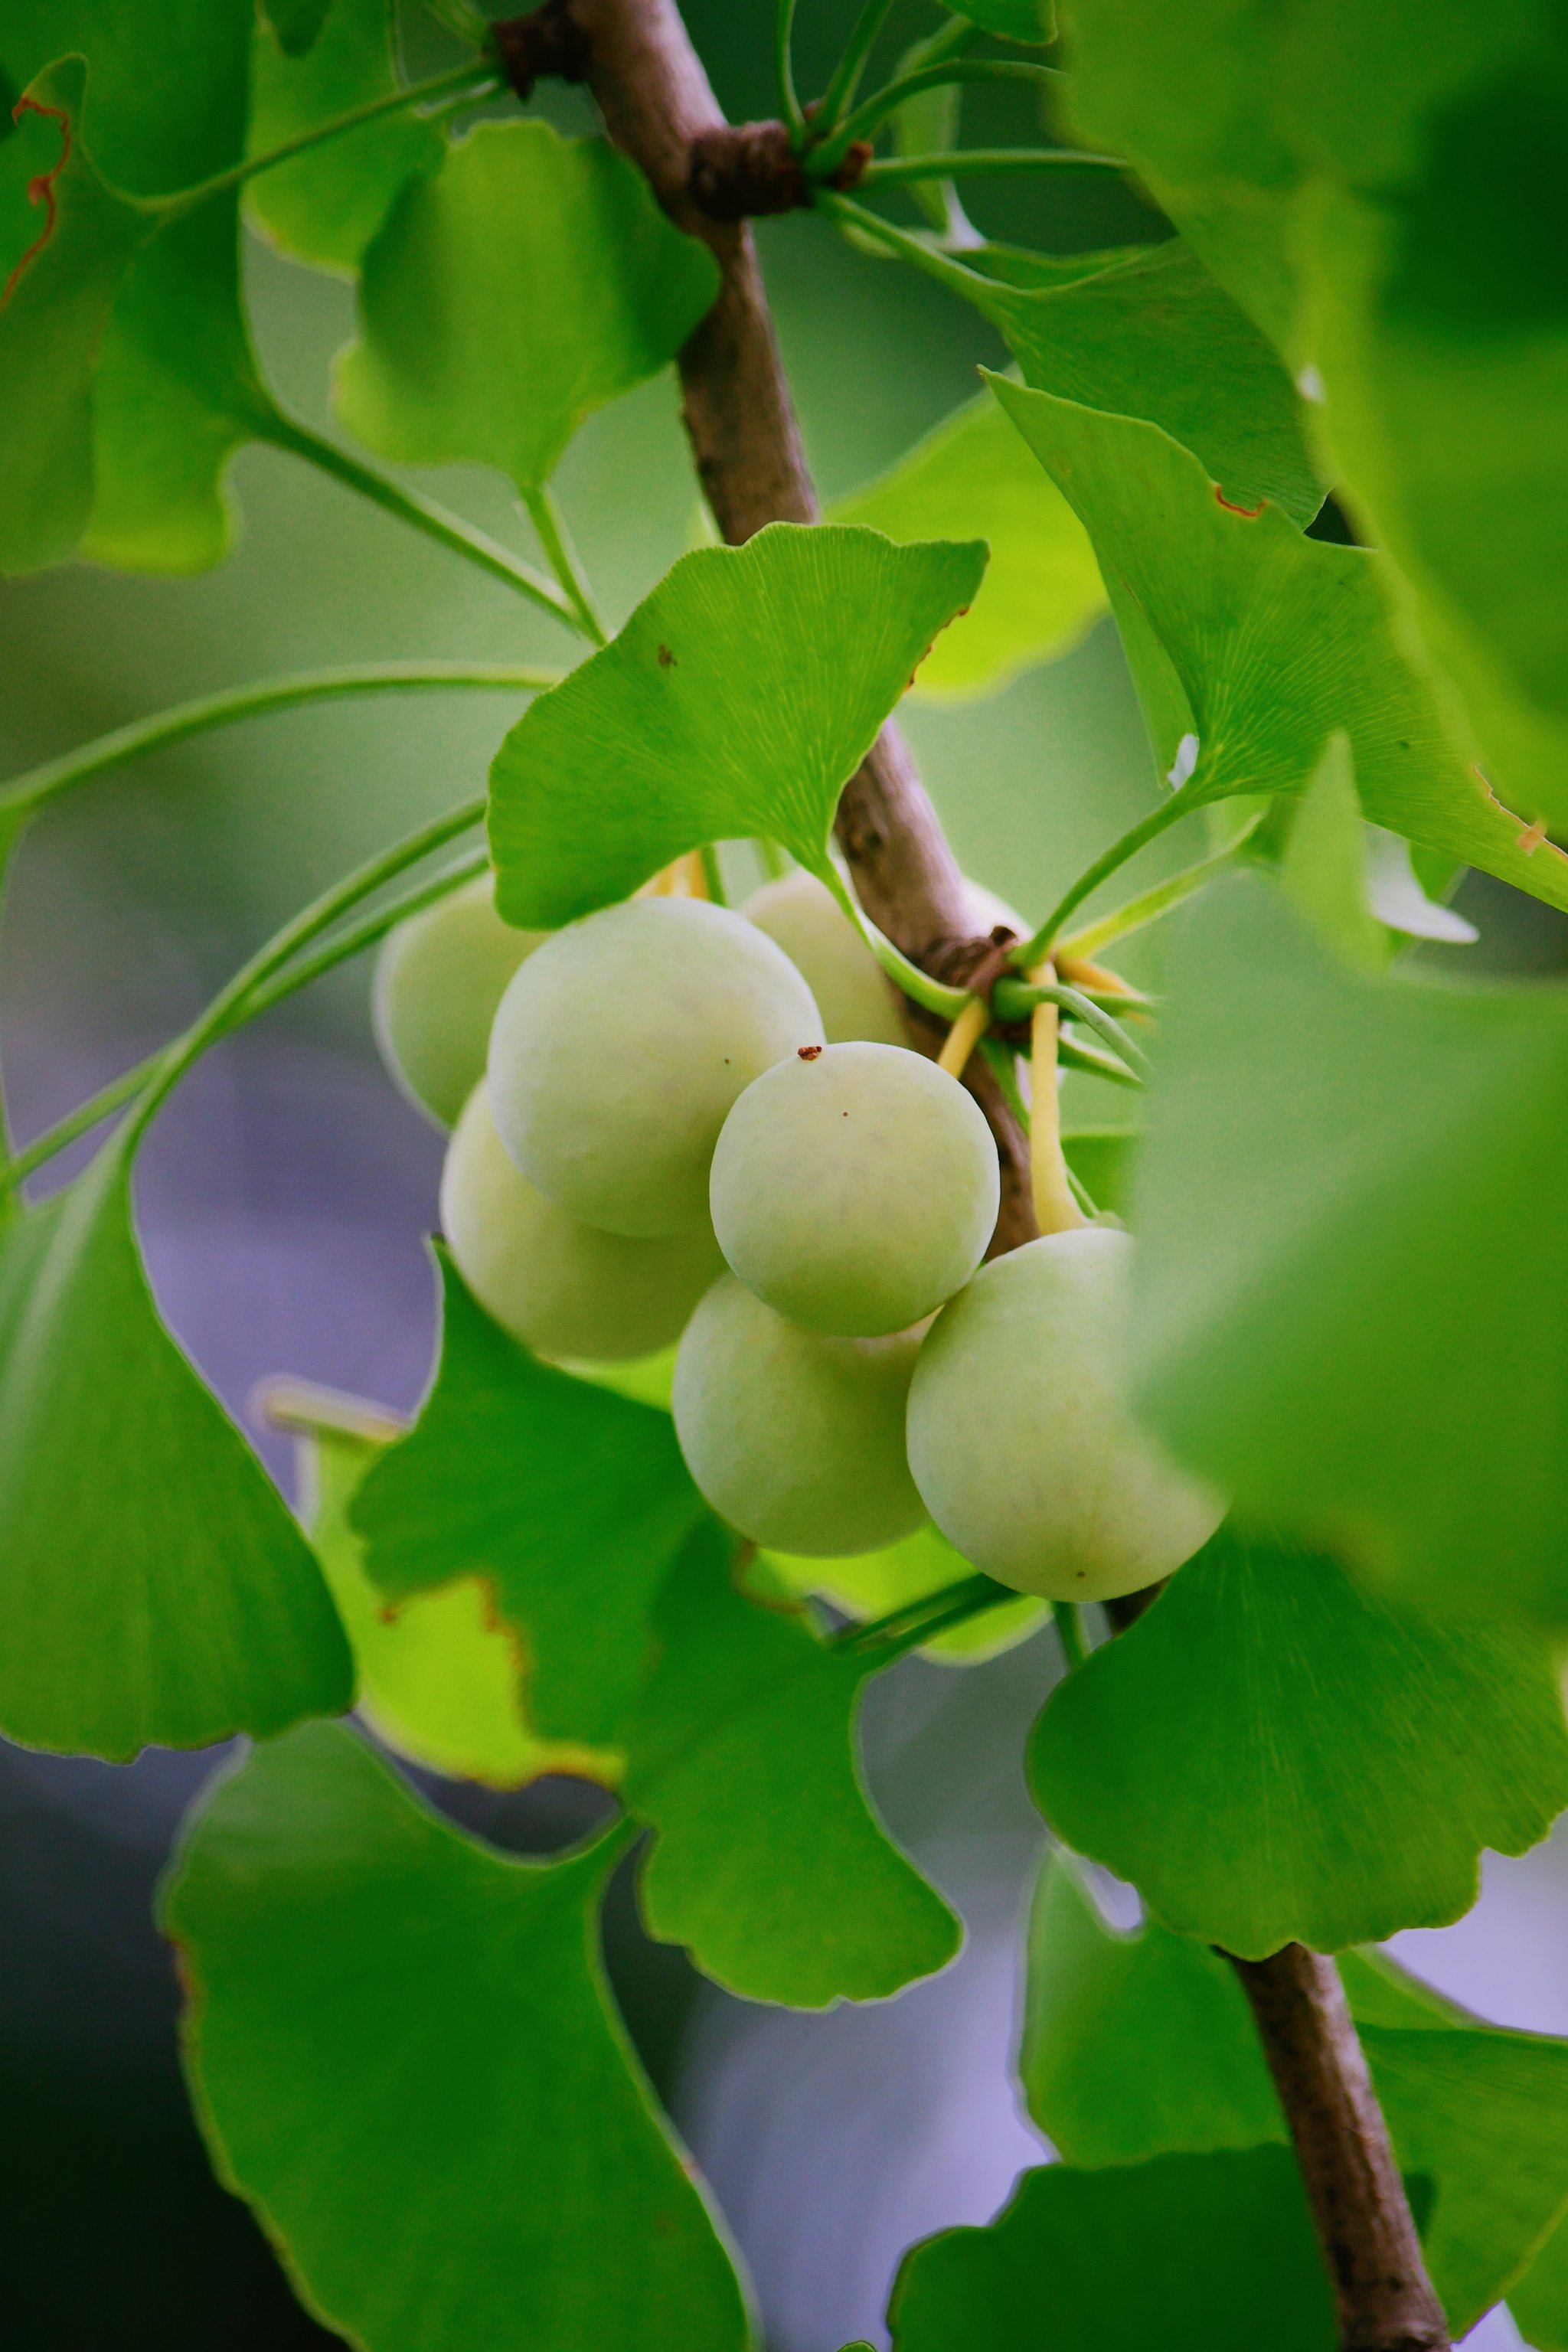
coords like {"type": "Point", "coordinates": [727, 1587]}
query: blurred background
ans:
{"type": "Point", "coordinates": [283, 1200]}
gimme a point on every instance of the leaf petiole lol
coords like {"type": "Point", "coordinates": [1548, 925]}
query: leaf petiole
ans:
{"type": "Point", "coordinates": [129, 1082]}
{"type": "Point", "coordinates": [1015, 998]}
{"type": "Point", "coordinates": [868, 118]}
{"type": "Point", "coordinates": [934, 995]}
{"type": "Point", "coordinates": [984, 163]}
{"type": "Point", "coordinates": [544, 513]}
{"type": "Point", "coordinates": [840, 91]}
{"type": "Point", "coordinates": [1148, 908]}
{"type": "Point", "coordinates": [922, 1620]}
{"type": "Point", "coordinates": [1030, 953]}
{"type": "Point", "coordinates": [784, 68]}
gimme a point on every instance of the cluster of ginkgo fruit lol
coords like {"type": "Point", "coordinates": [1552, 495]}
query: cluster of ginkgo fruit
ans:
{"type": "Point", "coordinates": [675, 1122]}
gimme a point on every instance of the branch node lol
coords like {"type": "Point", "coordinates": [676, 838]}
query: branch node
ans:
{"type": "Point", "coordinates": [547, 45]}
{"type": "Point", "coordinates": [747, 171]}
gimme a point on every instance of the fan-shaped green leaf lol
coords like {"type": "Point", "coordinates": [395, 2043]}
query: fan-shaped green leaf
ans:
{"type": "Point", "coordinates": [739, 699]}
{"type": "Point", "coordinates": [530, 281]}
{"type": "Point", "coordinates": [154, 1588]}
{"type": "Point", "coordinates": [1355, 1295]}
{"type": "Point", "coordinates": [769, 1863]}
{"type": "Point", "coordinates": [326, 206]}
{"type": "Point", "coordinates": [571, 1501]}
{"type": "Point", "coordinates": [1270, 1753]}
{"type": "Point", "coordinates": [403, 2053]}
{"type": "Point", "coordinates": [1194, 2254]}
{"type": "Point", "coordinates": [1136, 2045]}
{"type": "Point", "coordinates": [1539, 2300]}
{"type": "Point", "coordinates": [1156, 337]}
{"type": "Point", "coordinates": [1273, 640]}
{"type": "Point", "coordinates": [972, 479]}
{"type": "Point", "coordinates": [439, 1679]}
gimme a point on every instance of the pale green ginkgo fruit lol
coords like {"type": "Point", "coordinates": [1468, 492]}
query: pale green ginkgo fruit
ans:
{"type": "Point", "coordinates": [563, 1287]}
{"type": "Point", "coordinates": [620, 1046]}
{"type": "Point", "coordinates": [853, 995]}
{"type": "Point", "coordinates": [1020, 1440]}
{"type": "Point", "coordinates": [855, 1189]}
{"type": "Point", "coordinates": [438, 980]}
{"type": "Point", "coordinates": [805, 918]}
{"type": "Point", "coordinates": [795, 1438]}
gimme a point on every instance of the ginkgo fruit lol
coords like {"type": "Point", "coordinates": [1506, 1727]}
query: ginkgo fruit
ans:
{"type": "Point", "coordinates": [852, 994]}
{"type": "Point", "coordinates": [620, 1046]}
{"type": "Point", "coordinates": [855, 1189]}
{"type": "Point", "coordinates": [563, 1287]}
{"type": "Point", "coordinates": [1020, 1438]}
{"type": "Point", "coordinates": [796, 1439]}
{"type": "Point", "coordinates": [438, 980]}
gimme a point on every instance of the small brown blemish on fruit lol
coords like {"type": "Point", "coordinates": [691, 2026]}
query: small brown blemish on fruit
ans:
{"type": "Point", "coordinates": [666, 658]}
{"type": "Point", "coordinates": [809, 1053]}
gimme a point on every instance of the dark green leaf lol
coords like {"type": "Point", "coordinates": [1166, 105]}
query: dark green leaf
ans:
{"type": "Point", "coordinates": [530, 281]}
{"type": "Point", "coordinates": [972, 479]}
{"type": "Point", "coordinates": [439, 1677]}
{"type": "Point", "coordinates": [1191, 2253]}
{"type": "Point", "coordinates": [1354, 1299]}
{"type": "Point", "coordinates": [154, 1588]}
{"type": "Point", "coordinates": [1032, 21]}
{"type": "Point", "coordinates": [1272, 641]}
{"type": "Point", "coordinates": [1156, 337]}
{"type": "Point", "coordinates": [1539, 2300]}
{"type": "Point", "coordinates": [59, 294]}
{"type": "Point", "coordinates": [1272, 1753]}
{"type": "Point", "coordinates": [326, 206]}
{"type": "Point", "coordinates": [403, 2053]}
{"type": "Point", "coordinates": [769, 1863]}
{"type": "Point", "coordinates": [1136, 2044]}
{"type": "Point", "coordinates": [570, 1501]}
{"type": "Point", "coordinates": [739, 699]}
{"type": "Point", "coordinates": [296, 23]}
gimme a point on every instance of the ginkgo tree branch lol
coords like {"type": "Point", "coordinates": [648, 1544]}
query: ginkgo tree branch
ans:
{"type": "Point", "coordinates": [654, 97]}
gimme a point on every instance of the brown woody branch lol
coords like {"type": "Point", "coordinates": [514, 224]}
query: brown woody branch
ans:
{"type": "Point", "coordinates": [637, 58]}
{"type": "Point", "coordinates": [1384, 2297]}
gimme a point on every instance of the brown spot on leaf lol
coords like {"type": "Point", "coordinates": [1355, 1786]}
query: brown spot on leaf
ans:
{"type": "Point", "coordinates": [1250, 514]}
{"type": "Point", "coordinates": [40, 191]}
{"type": "Point", "coordinates": [666, 658]}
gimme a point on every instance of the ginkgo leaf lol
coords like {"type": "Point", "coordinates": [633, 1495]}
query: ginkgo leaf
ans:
{"type": "Point", "coordinates": [1138, 2043]}
{"type": "Point", "coordinates": [154, 1588]}
{"type": "Point", "coordinates": [403, 2053]}
{"type": "Point", "coordinates": [439, 1679]}
{"type": "Point", "coordinates": [738, 699]}
{"type": "Point", "coordinates": [1275, 640]}
{"type": "Point", "coordinates": [57, 299]}
{"type": "Point", "coordinates": [1156, 337]}
{"type": "Point", "coordinates": [569, 1502]}
{"type": "Point", "coordinates": [1353, 1290]}
{"type": "Point", "coordinates": [1272, 1754]}
{"type": "Point", "coordinates": [326, 204]}
{"type": "Point", "coordinates": [528, 282]}
{"type": "Point", "coordinates": [971, 477]}
{"type": "Point", "coordinates": [769, 1863]}
{"type": "Point", "coordinates": [1194, 2254]}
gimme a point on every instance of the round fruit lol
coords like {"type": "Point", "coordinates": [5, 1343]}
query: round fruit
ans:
{"type": "Point", "coordinates": [797, 1440]}
{"type": "Point", "coordinates": [620, 1046]}
{"type": "Point", "coordinates": [855, 1189]}
{"type": "Point", "coordinates": [561, 1287]}
{"type": "Point", "coordinates": [806, 920]}
{"type": "Point", "coordinates": [438, 979]}
{"type": "Point", "coordinates": [1020, 1440]}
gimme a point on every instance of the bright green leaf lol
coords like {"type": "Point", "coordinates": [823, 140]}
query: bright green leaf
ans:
{"type": "Point", "coordinates": [1031, 21]}
{"type": "Point", "coordinates": [1191, 2253]}
{"type": "Point", "coordinates": [1275, 640]}
{"type": "Point", "coordinates": [1156, 337]}
{"type": "Point", "coordinates": [1539, 2300]}
{"type": "Point", "coordinates": [530, 281]}
{"type": "Point", "coordinates": [769, 1863]}
{"type": "Point", "coordinates": [972, 479]}
{"type": "Point", "coordinates": [1101, 1159]}
{"type": "Point", "coordinates": [739, 699]}
{"type": "Point", "coordinates": [873, 1583]}
{"type": "Point", "coordinates": [154, 1588]}
{"type": "Point", "coordinates": [1352, 1288]}
{"type": "Point", "coordinates": [439, 1680]}
{"type": "Point", "coordinates": [1136, 2045]}
{"type": "Point", "coordinates": [403, 2053]}
{"type": "Point", "coordinates": [571, 1502]}
{"type": "Point", "coordinates": [1272, 1753]}
{"type": "Point", "coordinates": [326, 206]}
{"type": "Point", "coordinates": [55, 305]}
